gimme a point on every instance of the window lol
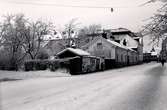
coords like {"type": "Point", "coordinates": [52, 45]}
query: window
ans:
{"type": "Point", "coordinates": [99, 46]}
{"type": "Point", "coordinates": [92, 61]}
{"type": "Point", "coordinates": [104, 35]}
{"type": "Point", "coordinates": [124, 42]}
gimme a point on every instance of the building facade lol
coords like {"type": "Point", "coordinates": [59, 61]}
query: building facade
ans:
{"type": "Point", "coordinates": [113, 53]}
{"type": "Point", "coordinates": [163, 53]}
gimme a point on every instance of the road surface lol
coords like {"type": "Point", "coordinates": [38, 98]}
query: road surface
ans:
{"type": "Point", "coordinates": [141, 87]}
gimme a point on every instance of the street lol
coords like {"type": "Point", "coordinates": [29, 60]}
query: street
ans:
{"type": "Point", "coordinates": [140, 87]}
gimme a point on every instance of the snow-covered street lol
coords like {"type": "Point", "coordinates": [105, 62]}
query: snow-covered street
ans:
{"type": "Point", "coordinates": [141, 87]}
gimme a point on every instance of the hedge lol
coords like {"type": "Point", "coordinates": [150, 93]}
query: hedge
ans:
{"type": "Point", "coordinates": [36, 65]}
{"type": "Point", "coordinates": [53, 65]}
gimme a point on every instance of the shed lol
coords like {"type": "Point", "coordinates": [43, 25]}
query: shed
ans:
{"type": "Point", "coordinates": [79, 60]}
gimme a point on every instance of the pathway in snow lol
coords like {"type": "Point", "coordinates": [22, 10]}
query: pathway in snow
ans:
{"type": "Point", "coordinates": [142, 87]}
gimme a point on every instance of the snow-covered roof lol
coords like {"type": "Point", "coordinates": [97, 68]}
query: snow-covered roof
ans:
{"type": "Point", "coordinates": [119, 30]}
{"type": "Point", "coordinates": [109, 41]}
{"type": "Point", "coordinates": [138, 35]}
{"type": "Point", "coordinates": [75, 51]}
{"type": "Point", "coordinates": [154, 53]}
{"type": "Point", "coordinates": [52, 37]}
{"type": "Point", "coordinates": [119, 45]}
{"type": "Point", "coordinates": [116, 44]}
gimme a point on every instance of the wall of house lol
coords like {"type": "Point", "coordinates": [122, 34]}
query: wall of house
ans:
{"type": "Point", "coordinates": [84, 40]}
{"type": "Point", "coordinates": [55, 46]}
{"type": "Point", "coordinates": [121, 56]}
{"type": "Point", "coordinates": [130, 41]}
{"type": "Point", "coordinates": [90, 64]}
{"type": "Point", "coordinates": [133, 57]}
{"type": "Point", "coordinates": [140, 52]}
{"type": "Point", "coordinates": [102, 49]}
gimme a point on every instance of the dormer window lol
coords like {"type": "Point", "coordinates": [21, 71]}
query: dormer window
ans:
{"type": "Point", "coordinates": [124, 42]}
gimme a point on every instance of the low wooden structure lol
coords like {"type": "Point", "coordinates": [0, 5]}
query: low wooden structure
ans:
{"type": "Point", "coordinates": [80, 61]}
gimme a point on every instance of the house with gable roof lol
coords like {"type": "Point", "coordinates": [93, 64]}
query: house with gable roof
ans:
{"type": "Point", "coordinates": [129, 39]}
{"type": "Point", "coordinates": [113, 53]}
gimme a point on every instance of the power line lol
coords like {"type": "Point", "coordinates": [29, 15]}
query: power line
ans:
{"type": "Point", "coordinates": [58, 5]}
{"type": "Point", "coordinates": [62, 5]}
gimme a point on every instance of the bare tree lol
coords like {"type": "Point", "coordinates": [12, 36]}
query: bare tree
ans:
{"type": "Point", "coordinates": [157, 27]}
{"type": "Point", "coordinates": [152, 1]}
{"type": "Point", "coordinates": [88, 33]}
{"type": "Point", "coordinates": [1, 32]}
{"type": "Point", "coordinates": [33, 37]}
{"type": "Point", "coordinates": [19, 37]}
{"type": "Point", "coordinates": [70, 29]}
{"type": "Point", "coordinates": [91, 29]}
{"type": "Point", "coordinates": [94, 28]}
{"type": "Point", "coordinates": [12, 39]}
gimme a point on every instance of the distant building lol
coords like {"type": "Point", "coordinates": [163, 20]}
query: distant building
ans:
{"type": "Point", "coordinates": [153, 55]}
{"type": "Point", "coordinates": [146, 57]}
{"type": "Point", "coordinates": [163, 52]}
{"type": "Point", "coordinates": [55, 46]}
{"type": "Point", "coordinates": [56, 42]}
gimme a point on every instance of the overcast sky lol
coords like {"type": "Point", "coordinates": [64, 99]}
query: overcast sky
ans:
{"type": "Point", "coordinates": [127, 13]}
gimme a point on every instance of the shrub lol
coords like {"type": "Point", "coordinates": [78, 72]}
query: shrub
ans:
{"type": "Point", "coordinates": [5, 63]}
{"type": "Point", "coordinates": [36, 65]}
{"type": "Point", "coordinates": [41, 65]}
{"type": "Point", "coordinates": [28, 65]}
{"type": "Point", "coordinates": [44, 64]}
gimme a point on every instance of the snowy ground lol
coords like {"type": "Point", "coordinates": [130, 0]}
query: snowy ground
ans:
{"type": "Point", "coordinates": [142, 87]}
{"type": "Point", "coordinates": [13, 75]}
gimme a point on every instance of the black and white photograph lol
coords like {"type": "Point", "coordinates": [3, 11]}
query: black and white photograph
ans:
{"type": "Point", "coordinates": [83, 54]}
